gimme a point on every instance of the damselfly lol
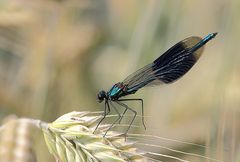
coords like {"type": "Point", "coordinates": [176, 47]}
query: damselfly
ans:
{"type": "Point", "coordinates": [167, 68]}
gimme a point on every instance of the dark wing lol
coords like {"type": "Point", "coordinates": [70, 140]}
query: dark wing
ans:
{"type": "Point", "coordinates": [169, 67]}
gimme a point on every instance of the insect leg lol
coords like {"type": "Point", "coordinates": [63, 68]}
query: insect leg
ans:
{"type": "Point", "coordinates": [105, 113]}
{"type": "Point", "coordinates": [135, 114]}
{"type": "Point", "coordinates": [119, 116]}
{"type": "Point", "coordinates": [135, 99]}
{"type": "Point", "coordinates": [124, 112]}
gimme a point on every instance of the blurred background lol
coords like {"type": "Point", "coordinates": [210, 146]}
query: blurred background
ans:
{"type": "Point", "coordinates": [56, 55]}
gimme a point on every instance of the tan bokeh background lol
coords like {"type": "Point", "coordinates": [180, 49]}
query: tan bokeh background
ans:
{"type": "Point", "coordinates": [56, 55]}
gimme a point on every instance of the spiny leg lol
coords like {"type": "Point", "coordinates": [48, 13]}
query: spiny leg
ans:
{"type": "Point", "coordinates": [119, 116]}
{"type": "Point", "coordinates": [105, 113]}
{"type": "Point", "coordinates": [136, 99]}
{"type": "Point", "coordinates": [135, 114]}
{"type": "Point", "coordinates": [124, 112]}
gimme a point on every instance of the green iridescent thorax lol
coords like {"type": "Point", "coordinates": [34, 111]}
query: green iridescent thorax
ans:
{"type": "Point", "coordinates": [116, 91]}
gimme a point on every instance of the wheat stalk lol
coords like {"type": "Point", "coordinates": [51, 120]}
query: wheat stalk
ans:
{"type": "Point", "coordinates": [70, 139]}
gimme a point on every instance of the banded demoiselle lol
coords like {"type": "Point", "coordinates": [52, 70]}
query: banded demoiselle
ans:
{"type": "Point", "coordinates": [167, 68]}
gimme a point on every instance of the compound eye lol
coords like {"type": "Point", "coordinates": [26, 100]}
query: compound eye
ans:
{"type": "Point", "coordinates": [101, 95]}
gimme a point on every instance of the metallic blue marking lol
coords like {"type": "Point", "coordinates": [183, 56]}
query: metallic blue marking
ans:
{"type": "Point", "coordinates": [208, 37]}
{"type": "Point", "coordinates": [203, 41]}
{"type": "Point", "coordinates": [114, 90]}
